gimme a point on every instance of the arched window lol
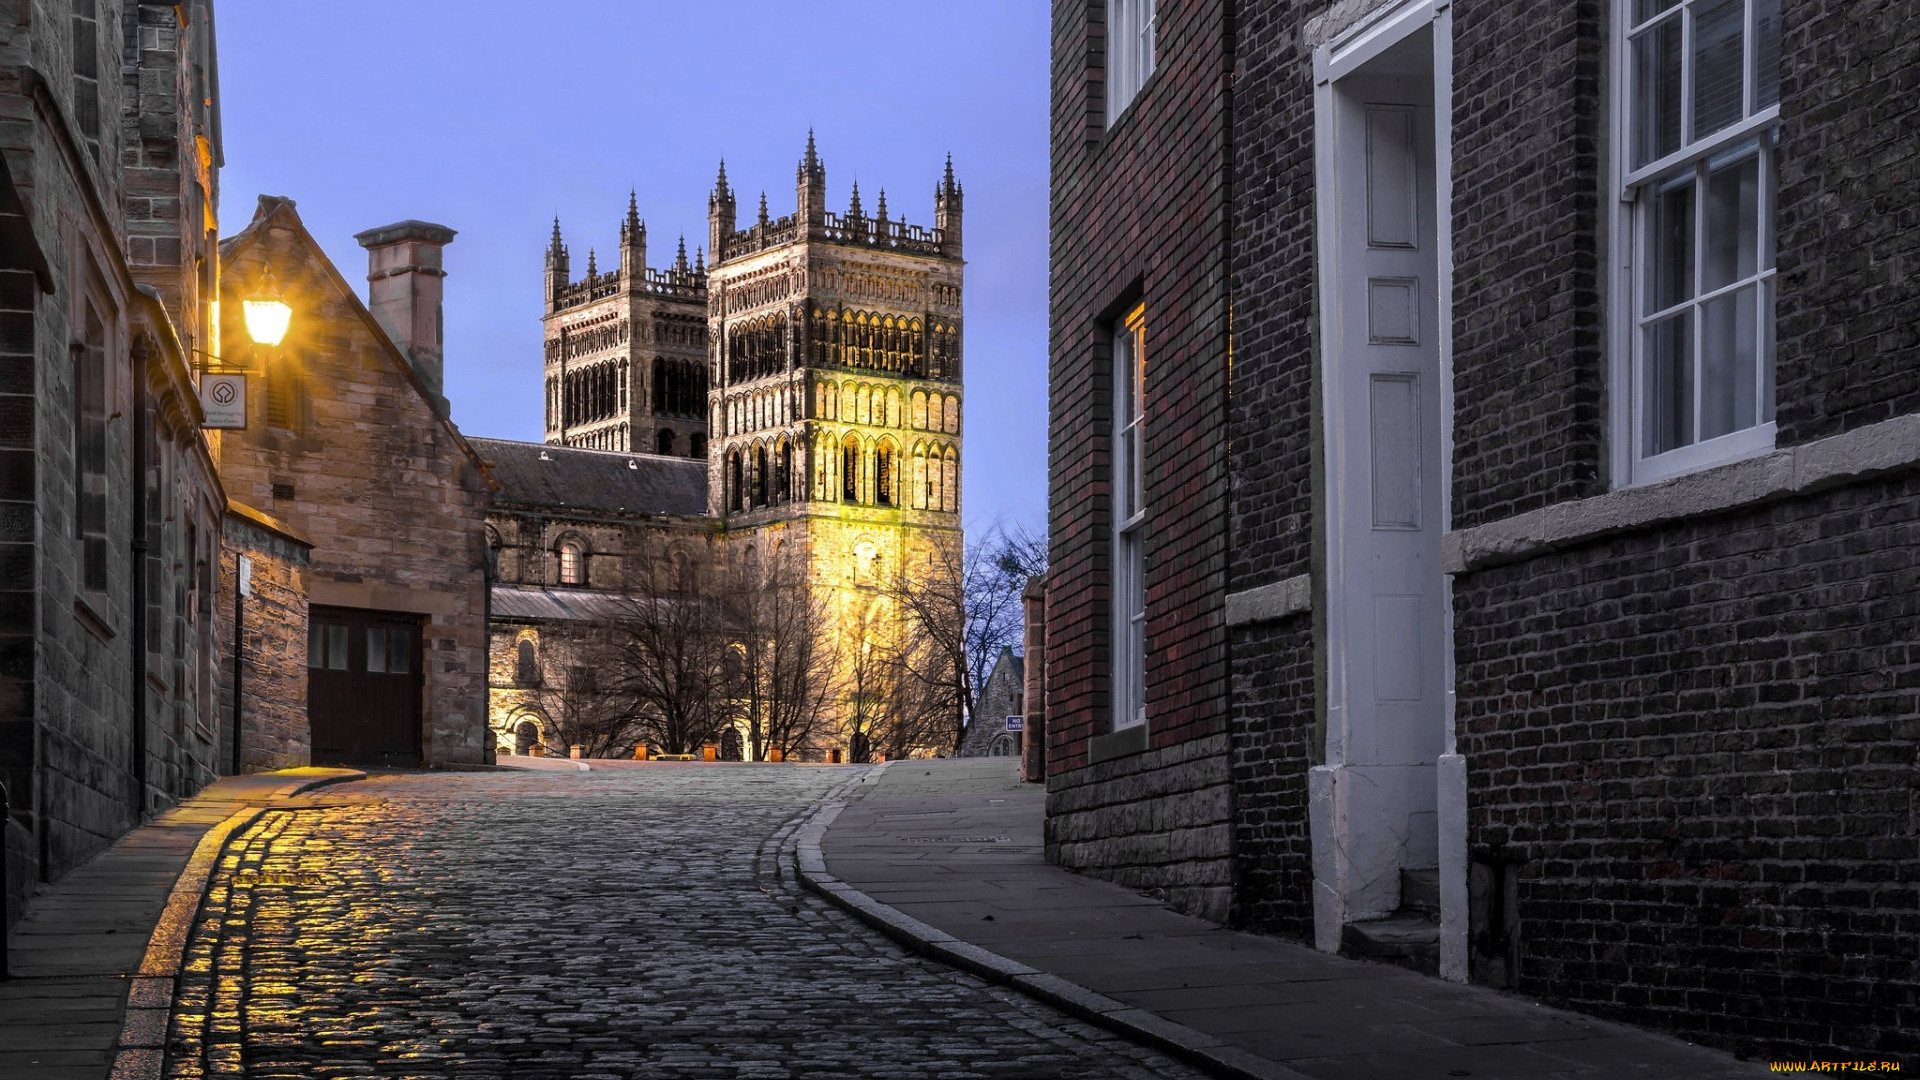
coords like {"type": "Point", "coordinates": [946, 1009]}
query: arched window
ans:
{"type": "Point", "coordinates": [919, 417]}
{"type": "Point", "coordinates": [950, 481]}
{"type": "Point", "coordinates": [783, 473]}
{"type": "Point", "coordinates": [883, 474]}
{"type": "Point", "coordinates": [697, 446]}
{"type": "Point", "coordinates": [664, 442]}
{"type": "Point", "coordinates": [920, 477]}
{"type": "Point", "coordinates": [526, 734]}
{"type": "Point", "coordinates": [760, 476]}
{"type": "Point", "coordinates": [850, 470]}
{"type": "Point", "coordinates": [733, 480]}
{"type": "Point", "coordinates": [573, 563]}
{"type": "Point", "coordinates": [933, 479]}
{"type": "Point", "coordinates": [526, 666]}
{"type": "Point", "coordinates": [953, 415]}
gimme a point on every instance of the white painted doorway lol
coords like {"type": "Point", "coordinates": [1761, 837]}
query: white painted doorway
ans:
{"type": "Point", "coordinates": [1385, 395]}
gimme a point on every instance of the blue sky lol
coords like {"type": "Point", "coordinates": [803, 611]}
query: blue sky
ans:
{"type": "Point", "coordinates": [491, 117]}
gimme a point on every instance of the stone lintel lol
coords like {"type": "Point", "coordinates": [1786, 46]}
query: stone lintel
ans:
{"type": "Point", "coordinates": [1271, 602]}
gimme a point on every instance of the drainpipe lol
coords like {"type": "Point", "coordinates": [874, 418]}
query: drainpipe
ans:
{"type": "Point", "coordinates": [6, 886]}
{"type": "Point", "coordinates": [136, 609]}
{"type": "Point", "coordinates": [242, 585]}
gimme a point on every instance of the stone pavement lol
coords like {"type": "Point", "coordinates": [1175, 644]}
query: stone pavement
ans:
{"type": "Point", "coordinates": [634, 920]}
{"type": "Point", "coordinates": [110, 931]}
{"type": "Point", "coordinates": [946, 857]}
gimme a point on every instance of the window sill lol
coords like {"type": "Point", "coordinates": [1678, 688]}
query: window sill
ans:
{"type": "Point", "coordinates": [1125, 742]}
{"type": "Point", "coordinates": [1888, 447]}
{"type": "Point", "coordinates": [84, 613]}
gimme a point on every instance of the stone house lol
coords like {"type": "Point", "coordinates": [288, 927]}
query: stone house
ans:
{"type": "Point", "coordinates": [1562, 564]}
{"type": "Point", "coordinates": [350, 448]}
{"type": "Point", "coordinates": [1001, 696]}
{"type": "Point", "coordinates": [108, 184]}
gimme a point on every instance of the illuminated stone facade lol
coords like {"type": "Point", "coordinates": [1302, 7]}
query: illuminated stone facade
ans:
{"type": "Point", "coordinates": [836, 402]}
{"type": "Point", "coordinates": [816, 365]}
{"type": "Point", "coordinates": [625, 364]}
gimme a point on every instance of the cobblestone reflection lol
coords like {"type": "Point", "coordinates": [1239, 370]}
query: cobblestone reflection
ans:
{"type": "Point", "coordinates": [620, 923]}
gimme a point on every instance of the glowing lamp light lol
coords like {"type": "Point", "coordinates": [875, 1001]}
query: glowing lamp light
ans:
{"type": "Point", "coordinates": [267, 314]}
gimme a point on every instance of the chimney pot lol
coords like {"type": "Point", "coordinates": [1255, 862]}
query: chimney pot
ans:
{"type": "Point", "coordinates": [405, 290]}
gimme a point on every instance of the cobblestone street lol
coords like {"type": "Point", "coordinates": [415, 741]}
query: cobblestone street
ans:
{"type": "Point", "coordinates": [626, 922]}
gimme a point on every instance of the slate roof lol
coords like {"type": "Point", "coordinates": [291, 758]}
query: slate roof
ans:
{"type": "Point", "coordinates": [535, 474]}
{"type": "Point", "coordinates": [534, 602]}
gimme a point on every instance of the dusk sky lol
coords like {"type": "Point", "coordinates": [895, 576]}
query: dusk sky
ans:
{"type": "Point", "coordinates": [490, 117]}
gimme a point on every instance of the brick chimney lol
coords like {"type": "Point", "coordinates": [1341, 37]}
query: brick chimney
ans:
{"type": "Point", "coordinates": [404, 291]}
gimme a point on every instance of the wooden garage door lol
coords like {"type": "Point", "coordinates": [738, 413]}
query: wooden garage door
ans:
{"type": "Point", "coordinates": [363, 687]}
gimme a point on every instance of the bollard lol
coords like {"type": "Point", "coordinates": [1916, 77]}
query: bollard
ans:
{"type": "Point", "coordinates": [775, 754]}
{"type": "Point", "coordinates": [710, 752]}
{"type": "Point", "coordinates": [574, 750]}
{"type": "Point", "coordinates": [640, 752]}
{"type": "Point", "coordinates": [536, 750]}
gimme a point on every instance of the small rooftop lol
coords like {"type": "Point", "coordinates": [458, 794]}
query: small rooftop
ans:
{"type": "Point", "coordinates": [538, 474]}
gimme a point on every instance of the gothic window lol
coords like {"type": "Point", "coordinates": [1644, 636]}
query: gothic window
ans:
{"type": "Point", "coordinates": [526, 668]}
{"type": "Point", "coordinates": [760, 476]}
{"type": "Point", "coordinates": [934, 470]}
{"type": "Point", "coordinates": [883, 474]}
{"type": "Point", "coordinates": [784, 476]}
{"type": "Point", "coordinates": [953, 415]}
{"type": "Point", "coordinates": [573, 563]}
{"type": "Point", "coordinates": [919, 479]}
{"type": "Point", "coordinates": [893, 408]}
{"type": "Point", "coordinates": [850, 470]}
{"type": "Point", "coordinates": [664, 443]}
{"type": "Point", "coordinates": [919, 416]}
{"type": "Point", "coordinates": [950, 481]}
{"type": "Point", "coordinates": [733, 480]}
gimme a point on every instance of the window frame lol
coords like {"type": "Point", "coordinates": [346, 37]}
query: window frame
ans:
{"type": "Point", "coordinates": [577, 574]}
{"type": "Point", "coordinates": [1631, 225]}
{"type": "Point", "coordinates": [1129, 513]}
{"type": "Point", "coordinates": [1123, 83]}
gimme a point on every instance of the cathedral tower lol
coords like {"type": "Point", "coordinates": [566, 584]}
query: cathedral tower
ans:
{"type": "Point", "coordinates": [626, 350]}
{"type": "Point", "coordinates": [835, 360]}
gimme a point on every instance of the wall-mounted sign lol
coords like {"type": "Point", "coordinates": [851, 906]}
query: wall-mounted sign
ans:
{"type": "Point", "coordinates": [223, 398]}
{"type": "Point", "coordinates": [1016, 723]}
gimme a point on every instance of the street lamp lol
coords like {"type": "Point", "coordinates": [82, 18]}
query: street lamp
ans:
{"type": "Point", "coordinates": [267, 314]}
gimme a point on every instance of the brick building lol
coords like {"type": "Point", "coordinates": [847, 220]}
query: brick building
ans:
{"type": "Point", "coordinates": [108, 184]}
{"type": "Point", "coordinates": [1567, 558]}
{"type": "Point", "coordinates": [349, 446]}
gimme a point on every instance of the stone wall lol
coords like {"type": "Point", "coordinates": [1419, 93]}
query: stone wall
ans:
{"type": "Point", "coordinates": [1159, 821]}
{"type": "Point", "coordinates": [273, 730]}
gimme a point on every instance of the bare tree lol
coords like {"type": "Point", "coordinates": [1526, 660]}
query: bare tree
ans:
{"type": "Point", "coordinates": [783, 674]}
{"type": "Point", "coordinates": [579, 709]}
{"type": "Point", "coordinates": [897, 702]}
{"type": "Point", "coordinates": [666, 649]}
{"type": "Point", "coordinates": [962, 610]}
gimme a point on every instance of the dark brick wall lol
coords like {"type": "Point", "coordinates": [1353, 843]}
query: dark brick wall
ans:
{"type": "Point", "coordinates": [1848, 316]}
{"type": "Point", "coordinates": [1700, 740]}
{"type": "Point", "coordinates": [1275, 361]}
{"type": "Point", "coordinates": [1276, 314]}
{"type": "Point", "coordinates": [1527, 319]}
{"type": "Point", "coordinates": [1140, 211]}
{"type": "Point", "coordinates": [1275, 723]}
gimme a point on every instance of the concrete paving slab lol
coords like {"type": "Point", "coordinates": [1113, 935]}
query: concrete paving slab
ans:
{"type": "Point", "coordinates": [921, 840]}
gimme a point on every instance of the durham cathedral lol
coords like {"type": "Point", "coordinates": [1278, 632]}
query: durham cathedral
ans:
{"type": "Point", "coordinates": [790, 396]}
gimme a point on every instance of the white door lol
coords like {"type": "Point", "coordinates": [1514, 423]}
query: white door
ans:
{"type": "Point", "coordinates": [1387, 598]}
